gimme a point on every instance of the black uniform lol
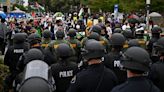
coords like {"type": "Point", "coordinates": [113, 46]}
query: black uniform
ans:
{"type": "Point", "coordinates": [157, 75]}
{"type": "Point", "coordinates": [62, 73]}
{"type": "Point", "coordinates": [11, 58]}
{"type": "Point", "coordinates": [112, 61]}
{"type": "Point", "coordinates": [153, 54]}
{"type": "Point", "coordinates": [96, 78]}
{"type": "Point", "coordinates": [155, 36]}
{"type": "Point", "coordinates": [136, 84]}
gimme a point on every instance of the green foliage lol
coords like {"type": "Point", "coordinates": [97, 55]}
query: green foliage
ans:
{"type": "Point", "coordinates": [105, 5]}
{"type": "Point", "coordinates": [4, 71]}
{"type": "Point", "coordinates": [63, 5]}
{"type": "Point", "coordinates": [21, 7]}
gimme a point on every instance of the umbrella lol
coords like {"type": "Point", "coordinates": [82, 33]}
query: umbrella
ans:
{"type": "Point", "coordinates": [133, 16]}
{"type": "Point", "coordinates": [58, 14]}
{"type": "Point", "coordinates": [155, 14]}
{"type": "Point", "coordinates": [2, 14]}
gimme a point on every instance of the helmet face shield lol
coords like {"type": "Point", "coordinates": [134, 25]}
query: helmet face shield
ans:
{"type": "Point", "coordinates": [37, 78]}
{"type": "Point", "coordinates": [36, 68]}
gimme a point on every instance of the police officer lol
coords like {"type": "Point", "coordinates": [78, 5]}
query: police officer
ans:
{"type": "Point", "coordinates": [32, 54]}
{"type": "Point", "coordinates": [12, 56]}
{"type": "Point", "coordinates": [35, 41]}
{"type": "Point", "coordinates": [155, 36]}
{"type": "Point", "coordinates": [60, 39]}
{"type": "Point", "coordinates": [76, 45]}
{"type": "Point", "coordinates": [156, 74]}
{"type": "Point", "coordinates": [136, 61]}
{"type": "Point", "coordinates": [102, 40]}
{"type": "Point", "coordinates": [96, 77]}
{"type": "Point", "coordinates": [133, 43]}
{"type": "Point", "coordinates": [64, 70]}
{"type": "Point", "coordinates": [46, 38]}
{"type": "Point", "coordinates": [128, 34]}
{"type": "Point", "coordinates": [155, 31]}
{"type": "Point", "coordinates": [112, 59]}
{"type": "Point", "coordinates": [117, 30]}
{"type": "Point", "coordinates": [54, 44]}
{"type": "Point", "coordinates": [37, 78]}
{"type": "Point", "coordinates": [139, 34]}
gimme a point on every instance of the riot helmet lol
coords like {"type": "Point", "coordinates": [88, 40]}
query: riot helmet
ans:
{"type": "Point", "coordinates": [95, 36]}
{"type": "Point", "coordinates": [128, 33]}
{"type": "Point", "coordinates": [117, 39]}
{"type": "Point", "coordinates": [72, 32]}
{"type": "Point", "coordinates": [136, 58]}
{"type": "Point", "coordinates": [156, 30]}
{"type": "Point", "coordinates": [60, 34]}
{"type": "Point", "coordinates": [34, 39]}
{"type": "Point", "coordinates": [117, 30]}
{"type": "Point", "coordinates": [159, 45]}
{"type": "Point", "coordinates": [93, 50]}
{"type": "Point", "coordinates": [19, 37]}
{"type": "Point", "coordinates": [35, 85]}
{"type": "Point", "coordinates": [64, 50]}
{"type": "Point", "coordinates": [47, 34]}
{"type": "Point", "coordinates": [96, 28]}
{"type": "Point", "coordinates": [34, 54]}
{"type": "Point", "coordinates": [133, 42]}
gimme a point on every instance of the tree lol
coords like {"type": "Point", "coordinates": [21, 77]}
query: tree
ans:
{"type": "Point", "coordinates": [105, 5]}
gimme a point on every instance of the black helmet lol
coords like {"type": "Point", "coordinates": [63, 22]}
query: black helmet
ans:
{"type": "Point", "coordinates": [64, 50]}
{"type": "Point", "coordinates": [117, 39]}
{"type": "Point", "coordinates": [47, 34]}
{"type": "Point", "coordinates": [159, 45]}
{"type": "Point", "coordinates": [72, 32]}
{"type": "Point", "coordinates": [20, 37]}
{"type": "Point", "coordinates": [35, 85]}
{"type": "Point", "coordinates": [128, 33]}
{"type": "Point", "coordinates": [92, 50]}
{"type": "Point", "coordinates": [136, 58]}
{"type": "Point", "coordinates": [34, 54]}
{"type": "Point", "coordinates": [60, 34]}
{"type": "Point", "coordinates": [133, 42]}
{"type": "Point", "coordinates": [96, 29]}
{"type": "Point", "coordinates": [117, 30]}
{"type": "Point", "coordinates": [156, 30]}
{"type": "Point", "coordinates": [95, 36]}
{"type": "Point", "coordinates": [34, 39]}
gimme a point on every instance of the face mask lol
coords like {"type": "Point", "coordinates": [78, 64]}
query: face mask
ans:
{"type": "Point", "coordinates": [77, 26]}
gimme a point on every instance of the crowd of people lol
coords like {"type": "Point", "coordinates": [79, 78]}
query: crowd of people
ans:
{"type": "Point", "coordinates": [82, 55]}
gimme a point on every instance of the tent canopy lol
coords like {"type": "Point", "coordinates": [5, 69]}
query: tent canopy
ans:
{"type": "Point", "coordinates": [2, 14]}
{"type": "Point", "coordinates": [155, 14]}
{"type": "Point", "coordinates": [17, 11]}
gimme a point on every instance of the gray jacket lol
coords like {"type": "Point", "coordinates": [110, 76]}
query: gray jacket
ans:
{"type": "Point", "coordinates": [3, 30]}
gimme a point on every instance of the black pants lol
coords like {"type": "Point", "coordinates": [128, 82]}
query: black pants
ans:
{"type": "Point", "coordinates": [2, 46]}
